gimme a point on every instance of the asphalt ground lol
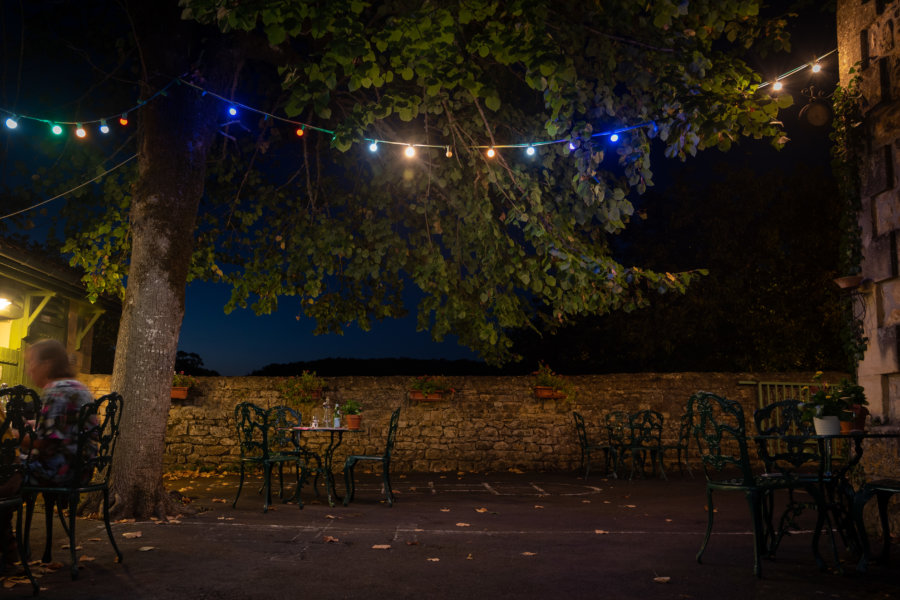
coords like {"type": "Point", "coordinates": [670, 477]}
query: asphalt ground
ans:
{"type": "Point", "coordinates": [466, 535]}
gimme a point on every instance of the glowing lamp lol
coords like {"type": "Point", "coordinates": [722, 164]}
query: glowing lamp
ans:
{"type": "Point", "coordinates": [232, 111]}
{"type": "Point", "coordinates": [614, 137]}
{"type": "Point", "coordinates": [104, 128]}
{"type": "Point", "coordinates": [373, 147]}
{"type": "Point", "coordinates": [410, 151]}
{"type": "Point", "coordinates": [571, 146]}
{"type": "Point", "coordinates": [123, 120]}
{"type": "Point", "coordinates": [449, 152]}
{"type": "Point", "coordinates": [777, 86]}
{"type": "Point", "coordinates": [56, 129]}
{"type": "Point", "coordinates": [529, 151]}
{"type": "Point", "coordinates": [816, 68]}
{"type": "Point", "coordinates": [12, 123]}
{"type": "Point", "coordinates": [491, 153]}
{"type": "Point", "coordinates": [299, 132]}
{"type": "Point", "coordinates": [79, 130]}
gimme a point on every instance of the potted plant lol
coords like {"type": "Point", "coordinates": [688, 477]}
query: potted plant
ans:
{"type": "Point", "coordinates": [829, 405]}
{"type": "Point", "coordinates": [547, 384]}
{"type": "Point", "coordinates": [429, 388]}
{"type": "Point", "coordinates": [299, 389]}
{"type": "Point", "coordinates": [181, 383]}
{"type": "Point", "coordinates": [350, 409]}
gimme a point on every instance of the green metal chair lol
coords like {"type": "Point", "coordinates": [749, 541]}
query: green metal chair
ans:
{"type": "Point", "coordinates": [681, 446]}
{"type": "Point", "coordinates": [18, 401]}
{"type": "Point", "coordinates": [284, 442]}
{"type": "Point", "coordinates": [618, 430]}
{"type": "Point", "coordinates": [98, 432]}
{"type": "Point", "coordinates": [646, 441]}
{"type": "Point", "coordinates": [384, 459]}
{"type": "Point", "coordinates": [719, 429]}
{"type": "Point", "coordinates": [587, 447]}
{"type": "Point", "coordinates": [259, 437]}
{"type": "Point", "coordinates": [882, 489]}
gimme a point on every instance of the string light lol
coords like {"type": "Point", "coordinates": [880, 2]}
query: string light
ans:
{"type": "Point", "coordinates": [56, 129]}
{"type": "Point", "coordinates": [299, 132]}
{"type": "Point", "coordinates": [816, 68]}
{"type": "Point", "coordinates": [373, 147]}
{"type": "Point", "coordinates": [232, 111]}
{"type": "Point", "coordinates": [614, 137]}
{"type": "Point", "coordinates": [491, 153]}
{"type": "Point", "coordinates": [12, 123]}
{"type": "Point", "coordinates": [529, 151]}
{"type": "Point", "coordinates": [410, 151]}
{"type": "Point", "coordinates": [104, 128]}
{"type": "Point", "coordinates": [449, 153]}
{"type": "Point", "coordinates": [79, 130]}
{"type": "Point", "coordinates": [777, 86]}
{"type": "Point", "coordinates": [123, 120]}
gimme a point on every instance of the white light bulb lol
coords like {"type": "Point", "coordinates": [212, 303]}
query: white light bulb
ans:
{"type": "Point", "coordinates": [373, 146]}
{"type": "Point", "coordinates": [816, 68]}
{"type": "Point", "coordinates": [12, 123]}
{"type": "Point", "coordinates": [529, 151]}
{"type": "Point", "coordinates": [410, 151]}
{"type": "Point", "coordinates": [777, 86]}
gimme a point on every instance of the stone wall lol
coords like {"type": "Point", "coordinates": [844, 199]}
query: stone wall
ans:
{"type": "Point", "coordinates": [491, 423]}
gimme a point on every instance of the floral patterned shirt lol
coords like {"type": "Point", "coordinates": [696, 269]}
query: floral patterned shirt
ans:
{"type": "Point", "coordinates": [57, 425]}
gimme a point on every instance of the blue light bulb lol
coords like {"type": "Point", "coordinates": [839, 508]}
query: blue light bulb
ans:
{"type": "Point", "coordinates": [232, 111]}
{"type": "Point", "coordinates": [104, 128]}
{"type": "Point", "coordinates": [614, 137]}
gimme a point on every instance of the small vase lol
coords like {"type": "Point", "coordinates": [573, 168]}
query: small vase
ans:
{"type": "Point", "coordinates": [353, 421]}
{"type": "Point", "coordinates": [827, 425]}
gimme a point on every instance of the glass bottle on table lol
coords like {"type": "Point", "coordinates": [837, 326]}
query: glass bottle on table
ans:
{"type": "Point", "coordinates": [337, 416]}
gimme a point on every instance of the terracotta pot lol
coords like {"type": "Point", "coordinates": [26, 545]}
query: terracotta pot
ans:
{"type": "Point", "coordinates": [859, 417]}
{"type": "Point", "coordinates": [420, 396]}
{"type": "Point", "coordinates": [846, 426]}
{"type": "Point", "coordinates": [543, 391]}
{"type": "Point", "coordinates": [180, 392]}
{"type": "Point", "coordinates": [353, 421]}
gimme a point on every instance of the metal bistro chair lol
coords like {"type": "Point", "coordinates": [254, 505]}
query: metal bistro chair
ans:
{"type": "Point", "coordinates": [681, 446]}
{"type": "Point", "coordinates": [384, 459]}
{"type": "Point", "coordinates": [98, 431]}
{"type": "Point", "coordinates": [720, 432]}
{"type": "Point", "coordinates": [18, 402]}
{"type": "Point", "coordinates": [618, 429]}
{"type": "Point", "coordinates": [255, 436]}
{"type": "Point", "coordinates": [587, 447]}
{"type": "Point", "coordinates": [284, 442]}
{"type": "Point", "coordinates": [882, 489]}
{"type": "Point", "coordinates": [646, 441]}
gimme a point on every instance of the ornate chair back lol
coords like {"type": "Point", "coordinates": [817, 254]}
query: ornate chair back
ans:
{"type": "Point", "coordinates": [720, 432]}
{"type": "Point", "coordinates": [252, 428]}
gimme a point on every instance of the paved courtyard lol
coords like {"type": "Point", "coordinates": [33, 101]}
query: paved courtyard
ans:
{"type": "Point", "coordinates": [493, 535]}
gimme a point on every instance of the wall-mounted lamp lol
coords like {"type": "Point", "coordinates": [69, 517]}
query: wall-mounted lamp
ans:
{"type": "Point", "coordinates": [12, 306]}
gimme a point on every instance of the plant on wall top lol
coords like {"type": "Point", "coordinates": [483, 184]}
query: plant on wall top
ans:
{"type": "Point", "coordinates": [179, 379]}
{"type": "Point", "coordinates": [429, 384]}
{"type": "Point", "coordinates": [301, 388]}
{"type": "Point", "coordinates": [545, 377]}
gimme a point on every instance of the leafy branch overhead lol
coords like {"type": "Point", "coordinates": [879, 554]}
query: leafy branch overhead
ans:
{"type": "Point", "coordinates": [490, 244]}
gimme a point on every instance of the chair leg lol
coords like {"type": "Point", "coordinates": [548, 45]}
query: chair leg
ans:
{"type": "Point", "coordinates": [755, 502]}
{"type": "Point", "coordinates": [73, 508]}
{"type": "Point", "coordinates": [240, 487]}
{"type": "Point", "coordinates": [112, 538]}
{"type": "Point", "coordinates": [586, 462]}
{"type": "Point", "coordinates": [709, 524]}
{"type": "Point", "coordinates": [267, 486]}
{"type": "Point", "coordinates": [882, 498]}
{"type": "Point", "coordinates": [49, 500]}
{"type": "Point", "coordinates": [349, 482]}
{"type": "Point", "coordinates": [23, 547]}
{"type": "Point", "coordinates": [386, 481]}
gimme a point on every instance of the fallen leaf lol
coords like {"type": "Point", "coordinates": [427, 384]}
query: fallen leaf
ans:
{"type": "Point", "coordinates": [668, 520]}
{"type": "Point", "coordinates": [94, 540]}
{"type": "Point", "coordinates": [529, 554]}
{"type": "Point", "coordinates": [601, 531]}
{"type": "Point", "coordinates": [538, 506]}
{"type": "Point", "coordinates": [445, 510]}
{"type": "Point", "coordinates": [66, 547]}
{"type": "Point", "coordinates": [630, 506]}
{"type": "Point", "coordinates": [125, 521]}
{"type": "Point", "coordinates": [585, 501]}
{"type": "Point", "coordinates": [220, 500]}
{"type": "Point", "coordinates": [329, 539]}
{"type": "Point", "coordinates": [481, 510]}
{"type": "Point", "coordinates": [463, 525]}
{"type": "Point", "coordinates": [661, 579]}
{"type": "Point", "coordinates": [412, 543]}
{"type": "Point", "coordinates": [381, 547]}
{"type": "Point", "coordinates": [606, 502]}
{"type": "Point", "coordinates": [418, 529]}
{"type": "Point", "coordinates": [146, 548]}
{"type": "Point", "coordinates": [132, 534]}
{"type": "Point", "coordinates": [330, 517]}
{"type": "Point", "coordinates": [514, 470]}
{"type": "Point", "coordinates": [469, 557]}
{"type": "Point", "coordinates": [85, 557]}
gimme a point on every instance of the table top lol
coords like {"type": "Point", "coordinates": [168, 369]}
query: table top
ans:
{"type": "Point", "coordinates": [838, 436]}
{"type": "Point", "coordinates": [308, 428]}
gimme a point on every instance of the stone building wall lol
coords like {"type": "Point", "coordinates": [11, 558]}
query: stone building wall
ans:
{"type": "Point", "coordinates": [869, 39]}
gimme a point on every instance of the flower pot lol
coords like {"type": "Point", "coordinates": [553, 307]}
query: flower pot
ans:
{"type": "Point", "coordinates": [545, 392]}
{"type": "Point", "coordinates": [859, 417]}
{"type": "Point", "coordinates": [180, 392]}
{"type": "Point", "coordinates": [846, 427]}
{"type": "Point", "coordinates": [353, 421]}
{"type": "Point", "coordinates": [420, 396]}
{"type": "Point", "coordinates": [827, 425]}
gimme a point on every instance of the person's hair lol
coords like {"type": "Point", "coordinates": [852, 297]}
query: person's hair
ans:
{"type": "Point", "coordinates": [54, 352]}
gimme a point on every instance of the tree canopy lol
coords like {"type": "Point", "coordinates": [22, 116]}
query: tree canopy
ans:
{"type": "Point", "coordinates": [490, 244]}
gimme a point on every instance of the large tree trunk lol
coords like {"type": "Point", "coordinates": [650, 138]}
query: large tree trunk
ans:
{"type": "Point", "coordinates": [175, 132]}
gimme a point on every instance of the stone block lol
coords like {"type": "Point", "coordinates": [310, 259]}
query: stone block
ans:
{"type": "Point", "coordinates": [887, 211]}
{"type": "Point", "coordinates": [877, 262]}
{"type": "Point", "coordinates": [890, 303]}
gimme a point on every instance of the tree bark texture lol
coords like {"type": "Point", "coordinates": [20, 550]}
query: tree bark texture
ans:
{"type": "Point", "coordinates": [174, 133]}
